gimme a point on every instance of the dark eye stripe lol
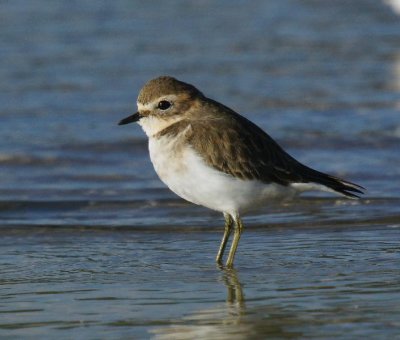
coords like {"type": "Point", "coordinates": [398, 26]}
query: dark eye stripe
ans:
{"type": "Point", "coordinates": [164, 105]}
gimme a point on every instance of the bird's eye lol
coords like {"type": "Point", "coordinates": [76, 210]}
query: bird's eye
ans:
{"type": "Point", "coordinates": [164, 105]}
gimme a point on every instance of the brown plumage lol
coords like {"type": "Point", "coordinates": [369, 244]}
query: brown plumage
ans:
{"type": "Point", "coordinates": [226, 142]}
{"type": "Point", "coordinates": [245, 151]}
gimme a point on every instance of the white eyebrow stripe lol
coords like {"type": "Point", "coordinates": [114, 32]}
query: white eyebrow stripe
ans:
{"type": "Point", "coordinates": [145, 107]}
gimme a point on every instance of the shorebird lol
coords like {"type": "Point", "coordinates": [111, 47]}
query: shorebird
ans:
{"type": "Point", "coordinates": [210, 155]}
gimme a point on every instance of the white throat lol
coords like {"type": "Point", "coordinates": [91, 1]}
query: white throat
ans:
{"type": "Point", "coordinates": [152, 125]}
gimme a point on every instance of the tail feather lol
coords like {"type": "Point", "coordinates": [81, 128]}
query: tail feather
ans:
{"type": "Point", "coordinates": [337, 184]}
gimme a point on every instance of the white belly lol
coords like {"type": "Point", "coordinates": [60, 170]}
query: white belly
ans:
{"type": "Point", "coordinates": [186, 174]}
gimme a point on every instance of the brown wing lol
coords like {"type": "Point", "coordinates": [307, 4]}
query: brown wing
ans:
{"type": "Point", "coordinates": [232, 144]}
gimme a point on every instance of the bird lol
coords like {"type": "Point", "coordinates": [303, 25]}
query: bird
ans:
{"type": "Point", "coordinates": [212, 156]}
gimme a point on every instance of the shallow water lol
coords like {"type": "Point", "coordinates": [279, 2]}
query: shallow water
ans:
{"type": "Point", "coordinates": [94, 246]}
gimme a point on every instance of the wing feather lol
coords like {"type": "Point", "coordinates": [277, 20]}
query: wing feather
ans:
{"type": "Point", "coordinates": [234, 145]}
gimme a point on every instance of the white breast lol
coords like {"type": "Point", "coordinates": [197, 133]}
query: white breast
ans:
{"type": "Point", "coordinates": [187, 175]}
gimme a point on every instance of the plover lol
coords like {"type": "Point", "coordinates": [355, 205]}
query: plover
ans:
{"type": "Point", "coordinates": [210, 155]}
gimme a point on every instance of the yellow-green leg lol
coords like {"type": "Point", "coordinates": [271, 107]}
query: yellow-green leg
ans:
{"type": "Point", "coordinates": [225, 238]}
{"type": "Point", "coordinates": [235, 242]}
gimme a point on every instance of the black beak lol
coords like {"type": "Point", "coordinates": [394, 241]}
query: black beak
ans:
{"type": "Point", "coordinates": [131, 119]}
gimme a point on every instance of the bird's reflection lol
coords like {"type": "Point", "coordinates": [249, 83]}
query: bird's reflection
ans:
{"type": "Point", "coordinates": [222, 321]}
{"type": "Point", "coordinates": [232, 319]}
{"type": "Point", "coordinates": [235, 295]}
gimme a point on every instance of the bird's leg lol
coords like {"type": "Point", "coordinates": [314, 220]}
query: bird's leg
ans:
{"type": "Point", "coordinates": [235, 242]}
{"type": "Point", "coordinates": [227, 232]}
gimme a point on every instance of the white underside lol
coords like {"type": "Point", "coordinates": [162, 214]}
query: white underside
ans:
{"type": "Point", "coordinates": [187, 175]}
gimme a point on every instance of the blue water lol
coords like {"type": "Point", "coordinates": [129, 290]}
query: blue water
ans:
{"type": "Point", "coordinates": [93, 245]}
